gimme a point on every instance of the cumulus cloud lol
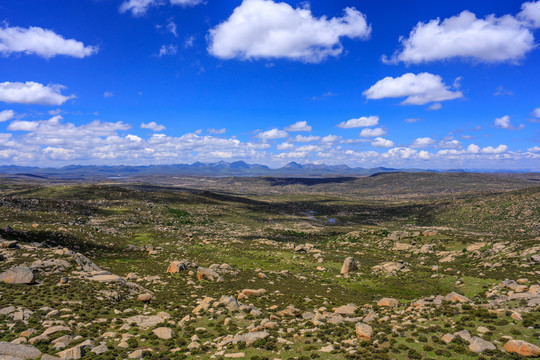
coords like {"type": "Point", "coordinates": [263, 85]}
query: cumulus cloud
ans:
{"type": "Point", "coordinates": [530, 14]}
{"type": "Point", "coordinates": [363, 121]}
{"type": "Point", "coordinates": [42, 42]}
{"type": "Point", "coordinates": [32, 93]}
{"type": "Point", "coordinates": [108, 94]}
{"type": "Point", "coordinates": [382, 142]}
{"type": "Point", "coordinates": [140, 7]}
{"type": "Point", "coordinates": [217, 131]}
{"type": "Point", "coordinates": [6, 115]}
{"type": "Point", "coordinates": [504, 123]}
{"type": "Point", "coordinates": [449, 144]}
{"type": "Point", "coordinates": [299, 126]}
{"type": "Point", "coordinates": [300, 138]}
{"type": "Point", "coordinates": [491, 150]}
{"type": "Point", "coordinates": [153, 126]}
{"type": "Point", "coordinates": [536, 112]}
{"type": "Point", "coordinates": [329, 139]}
{"type": "Point", "coordinates": [367, 132]}
{"type": "Point", "coordinates": [423, 142]}
{"type": "Point", "coordinates": [272, 134]}
{"type": "Point", "coordinates": [267, 29]}
{"type": "Point", "coordinates": [464, 36]}
{"type": "Point", "coordinates": [418, 89]}
{"type": "Point", "coordinates": [285, 146]}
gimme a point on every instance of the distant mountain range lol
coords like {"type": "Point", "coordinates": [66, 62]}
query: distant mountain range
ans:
{"type": "Point", "coordinates": [222, 168]}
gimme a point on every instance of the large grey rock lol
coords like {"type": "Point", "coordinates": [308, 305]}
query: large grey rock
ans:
{"type": "Point", "coordinates": [478, 345]}
{"type": "Point", "coordinates": [18, 350]}
{"type": "Point", "coordinates": [17, 275]}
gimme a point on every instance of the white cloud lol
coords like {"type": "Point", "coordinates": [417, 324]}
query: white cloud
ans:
{"type": "Point", "coordinates": [360, 122]}
{"type": "Point", "coordinates": [330, 139]}
{"type": "Point", "coordinates": [530, 14]}
{"type": "Point", "coordinates": [108, 94]}
{"type": "Point", "coordinates": [285, 146]}
{"type": "Point", "coordinates": [217, 131]}
{"type": "Point", "coordinates": [134, 138]}
{"type": "Point", "coordinates": [423, 142]}
{"type": "Point", "coordinates": [299, 126]}
{"type": "Point", "coordinates": [272, 134]}
{"type": "Point", "coordinates": [536, 112]}
{"type": "Point", "coordinates": [412, 120]}
{"type": "Point", "coordinates": [449, 144]}
{"type": "Point", "coordinates": [32, 93]}
{"type": "Point", "coordinates": [167, 50]}
{"type": "Point", "coordinates": [140, 7]}
{"type": "Point", "coordinates": [464, 36]}
{"type": "Point", "coordinates": [435, 107]}
{"type": "Point", "coordinates": [300, 138]}
{"type": "Point", "coordinates": [171, 26]}
{"type": "Point", "coordinates": [504, 123]}
{"type": "Point", "coordinates": [418, 89]}
{"type": "Point", "coordinates": [534, 149]}
{"type": "Point", "coordinates": [6, 115]}
{"type": "Point", "coordinates": [381, 142]}
{"type": "Point", "coordinates": [41, 42]}
{"type": "Point", "coordinates": [372, 132]}
{"type": "Point", "coordinates": [491, 150]}
{"type": "Point", "coordinates": [473, 149]}
{"type": "Point", "coordinates": [152, 126]}
{"type": "Point", "coordinates": [267, 29]}
{"type": "Point", "coordinates": [186, 2]}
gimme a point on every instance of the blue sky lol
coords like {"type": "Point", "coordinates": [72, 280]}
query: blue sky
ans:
{"type": "Point", "coordinates": [388, 83]}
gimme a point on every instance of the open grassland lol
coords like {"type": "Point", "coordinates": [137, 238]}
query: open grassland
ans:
{"type": "Point", "coordinates": [412, 236]}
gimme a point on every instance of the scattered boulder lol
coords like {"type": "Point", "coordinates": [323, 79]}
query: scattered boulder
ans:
{"type": "Point", "coordinates": [345, 310]}
{"type": "Point", "coordinates": [390, 267]}
{"type": "Point", "coordinates": [250, 292]}
{"type": "Point", "coordinates": [209, 274]}
{"type": "Point", "coordinates": [145, 297]}
{"type": "Point", "coordinates": [455, 297]}
{"type": "Point", "coordinates": [363, 331]}
{"type": "Point", "coordinates": [348, 265]}
{"type": "Point", "coordinates": [177, 266]}
{"type": "Point", "coordinates": [388, 302]}
{"type": "Point", "coordinates": [478, 345]}
{"type": "Point", "coordinates": [164, 333]}
{"type": "Point", "coordinates": [20, 351]}
{"type": "Point", "coordinates": [146, 322]}
{"type": "Point", "coordinates": [522, 348]}
{"type": "Point", "coordinates": [17, 275]}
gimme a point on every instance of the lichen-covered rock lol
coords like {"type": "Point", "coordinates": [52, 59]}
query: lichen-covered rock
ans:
{"type": "Point", "coordinates": [522, 348]}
